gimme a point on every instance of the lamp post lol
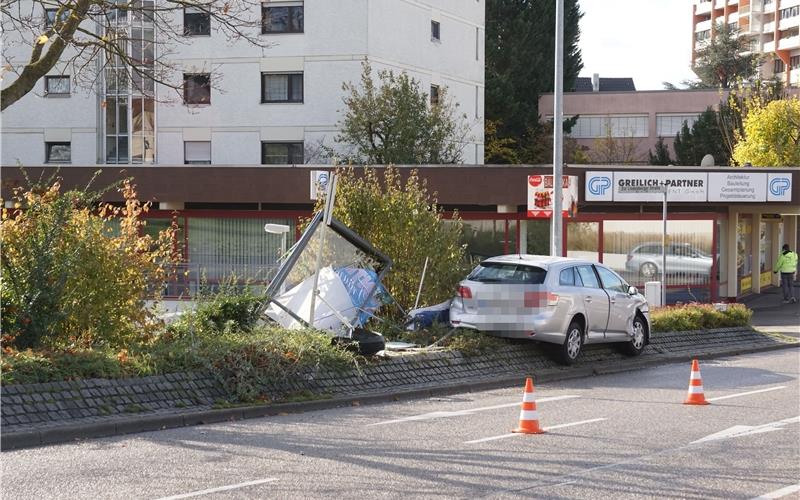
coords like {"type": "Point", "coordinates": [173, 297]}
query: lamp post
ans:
{"type": "Point", "coordinates": [558, 132]}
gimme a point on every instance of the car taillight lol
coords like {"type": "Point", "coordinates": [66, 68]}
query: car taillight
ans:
{"type": "Point", "coordinates": [464, 292]}
{"type": "Point", "coordinates": [552, 299]}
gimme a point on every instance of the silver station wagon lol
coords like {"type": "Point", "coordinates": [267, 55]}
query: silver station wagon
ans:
{"type": "Point", "coordinates": [558, 300]}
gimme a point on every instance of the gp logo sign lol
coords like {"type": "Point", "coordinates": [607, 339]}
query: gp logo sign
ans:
{"type": "Point", "coordinates": [779, 187]}
{"type": "Point", "coordinates": [599, 186]}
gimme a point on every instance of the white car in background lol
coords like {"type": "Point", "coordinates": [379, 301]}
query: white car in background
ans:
{"type": "Point", "coordinates": [557, 300]}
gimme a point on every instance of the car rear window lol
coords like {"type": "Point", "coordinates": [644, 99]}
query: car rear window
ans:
{"type": "Point", "coordinates": [501, 272]}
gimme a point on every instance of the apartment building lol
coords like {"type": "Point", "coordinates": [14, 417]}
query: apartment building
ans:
{"type": "Point", "coordinates": [274, 105]}
{"type": "Point", "coordinates": [773, 25]}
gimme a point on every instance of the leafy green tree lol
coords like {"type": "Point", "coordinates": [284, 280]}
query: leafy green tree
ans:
{"type": "Point", "coordinates": [723, 59]}
{"type": "Point", "coordinates": [392, 121]}
{"type": "Point", "coordinates": [661, 156]}
{"type": "Point", "coordinates": [772, 135]}
{"type": "Point", "coordinates": [397, 214]}
{"type": "Point", "coordinates": [520, 49]}
{"type": "Point", "coordinates": [705, 137]}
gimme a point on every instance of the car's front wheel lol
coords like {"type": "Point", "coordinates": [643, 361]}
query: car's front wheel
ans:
{"type": "Point", "coordinates": [573, 342]}
{"type": "Point", "coordinates": [638, 337]}
{"type": "Point", "coordinates": [648, 270]}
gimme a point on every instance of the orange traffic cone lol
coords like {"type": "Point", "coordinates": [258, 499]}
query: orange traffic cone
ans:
{"type": "Point", "coordinates": [695, 396]}
{"type": "Point", "coordinates": [528, 417]}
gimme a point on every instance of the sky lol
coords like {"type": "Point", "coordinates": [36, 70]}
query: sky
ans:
{"type": "Point", "coordinates": [648, 40]}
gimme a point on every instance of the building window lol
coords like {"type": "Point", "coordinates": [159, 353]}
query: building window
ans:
{"type": "Point", "coordinates": [281, 87]}
{"type": "Point", "coordinates": [477, 43]}
{"type": "Point", "coordinates": [435, 30]}
{"type": "Point", "coordinates": [434, 95]}
{"type": "Point", "coordinates": [197, 88]}
{"type": "Point", "coordinates": [778, 66]}
{"type": "Point", "coordinates": [702, 35]}
{"type": "Point", "coordinates": [56, 85]}
{"type": "Point", "coordinates": [196, 22]}
{"type": "Point", "coordinates": [197, 152]}
{"type": "Point", "coordinates": [593, 127]}
{"type": "Point", "coordinates": [285, 17]}
{"type": "Point", "coordinates": [790, 12]}
{"type": "Point", "coordinates": [57, 152]}
{"type": "Point", "coordinates": [281, 153]}
{"type": "Point", "coordinates": [50, 16]}
{"type": "Point", "coordinates": [669, 125]}
{"type": "Point", "coordinates": [794, 62]}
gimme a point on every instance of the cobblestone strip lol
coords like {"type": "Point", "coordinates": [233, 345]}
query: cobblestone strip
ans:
{"type": "Point", "coordinates": [54, 404]}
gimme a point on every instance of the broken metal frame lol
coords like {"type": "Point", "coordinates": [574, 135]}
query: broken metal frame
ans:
{"type": "Point", "coordinates": [288, 264]}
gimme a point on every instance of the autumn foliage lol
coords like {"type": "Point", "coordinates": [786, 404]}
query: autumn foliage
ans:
{"type": "Point", "coordinates": [75, 272]}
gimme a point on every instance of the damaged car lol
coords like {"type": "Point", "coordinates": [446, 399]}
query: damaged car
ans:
{"type": "Point", "coordinates": [556, 300]}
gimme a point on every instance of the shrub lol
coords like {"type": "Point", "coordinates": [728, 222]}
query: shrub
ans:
{"type": "Point", "coordinates": [230, 309]}
{"type": "Point", "coordinates": [404, 222]}
{"type": "Point", "coordinates": [698, 317]}
{"type": "Point", "coordinates": [76, 274]}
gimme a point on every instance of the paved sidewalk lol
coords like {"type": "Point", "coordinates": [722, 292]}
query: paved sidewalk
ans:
{"type": "Point", "coordinates": [771, 315]}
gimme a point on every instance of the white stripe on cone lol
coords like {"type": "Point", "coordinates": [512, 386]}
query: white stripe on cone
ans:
{"type": "Point", "coordinates": [527, 397]}
{"type": "Point", "coordinates": [528, 415]}
{"type": "Point", "coordinates": [695, 389]}
{"type": "Point", "coordinates": [694, 376]}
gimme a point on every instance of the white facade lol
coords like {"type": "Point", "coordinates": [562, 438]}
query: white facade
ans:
{"type": "Point", "coordinates": [336, 38]}
{"type": "Point", "coordinates": [773, 25]}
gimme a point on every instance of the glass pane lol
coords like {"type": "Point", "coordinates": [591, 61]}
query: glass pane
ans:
{"type": "Point", "coordinates": [297, 88]}
{"type": "Point", "coordinates": [136, 44]}
{"type": "Point", "coordinates": [111, 149]}
{"type": "Point", "coordinates": [58, 153]}
{"type": "Point", "coordinates": [149, 49]}
{"type": "Point", "coordinates": [137, 148]}
{"type": "Point", "coordinates": [276, 19]}
{"type": "Point", "coordinates": [484, 238]}
{"type": "Point", "coordinates": [123, 149]}
{"type": "Point", "coordinates": [148, 118]}
{"type": "Point", "coordinates": [111, 115]}
{"type": "Point", "coordinates": [276, 88]}
{"type": "Point", "coordinates": [136, 115]}
{"type": "Point", "coordinates": [583, 240]}
{"type": "Point", "coordinates": [744, 255]}
{"type": "Point", "coordinates": [123, 115]}
{"type": "Point", "coordinates": [149, 148]}
{"type": "Point", "coordinates": [297, 18]}
{"type": "Point", "coordinates": [275, 154]}
{"type": "Point", "coordinates": [538, 236]}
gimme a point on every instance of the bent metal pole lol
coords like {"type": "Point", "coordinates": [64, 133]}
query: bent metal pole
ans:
{"type": "Point", "coordinates": [558, 132]}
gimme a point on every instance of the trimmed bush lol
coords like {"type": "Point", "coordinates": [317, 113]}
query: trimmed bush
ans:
{"type": "Point", "coordinates": [698, 317]}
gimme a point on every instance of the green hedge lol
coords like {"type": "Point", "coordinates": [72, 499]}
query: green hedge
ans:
{"type": "Point", "coordinates": [698, 317]}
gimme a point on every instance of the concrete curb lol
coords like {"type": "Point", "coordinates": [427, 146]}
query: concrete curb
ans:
{"type": "Point", "coordinates": [74, 432]}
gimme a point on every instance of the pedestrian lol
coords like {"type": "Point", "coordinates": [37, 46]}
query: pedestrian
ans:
{"type": "Point", "coordinates": [787, 266]}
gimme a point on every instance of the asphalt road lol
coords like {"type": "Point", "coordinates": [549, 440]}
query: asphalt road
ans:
{"type": "Point", "coordinates": [616, 436]}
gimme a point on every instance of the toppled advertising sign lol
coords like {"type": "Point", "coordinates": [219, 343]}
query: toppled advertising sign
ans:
{"type": "Point", "coordinates": [540, 196]}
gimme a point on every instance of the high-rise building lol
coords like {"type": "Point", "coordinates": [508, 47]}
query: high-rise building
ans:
{"type": "Point", "coordinates": [239, 103]}
{"type": "Point", "coordinates": [773, 26]}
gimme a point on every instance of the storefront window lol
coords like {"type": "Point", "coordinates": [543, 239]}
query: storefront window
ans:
{"type": "Point", "coordinates": [633, 248]}
{"type": "Point", "coordinates": [583, 240]}
{"type": "Point", "coordinates": [487, 238]}
{"type": "Point", "coordinates": [744, 254]}
{"type": "Point", "coordinates": [538, 236]}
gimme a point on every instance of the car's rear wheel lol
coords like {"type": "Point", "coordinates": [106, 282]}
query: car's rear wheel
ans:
{"type": "Point", "coordinates": [639, 337]}
{"type": "Point", "coordinates": [648, 270]}
{"type": "Point", "coordinates": [573, 342]}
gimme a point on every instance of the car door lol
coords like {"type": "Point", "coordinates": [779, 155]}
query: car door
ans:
{"type": "Point", "coordinates": [622, 305]}
{"type": "Point", "coordinates": [595, 303]}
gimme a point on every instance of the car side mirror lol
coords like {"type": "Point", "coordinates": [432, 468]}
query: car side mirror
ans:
{"type": "Point", "coordinates": [632, 290]}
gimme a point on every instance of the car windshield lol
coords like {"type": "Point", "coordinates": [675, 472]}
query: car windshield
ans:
{"type": "Point", "coordinates": [500, 272]}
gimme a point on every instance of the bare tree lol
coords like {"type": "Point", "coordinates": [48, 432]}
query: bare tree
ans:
{"type": "Point", "coordinates": [133, 40]}
{"type": "Point", "coordinates": [616, 147]}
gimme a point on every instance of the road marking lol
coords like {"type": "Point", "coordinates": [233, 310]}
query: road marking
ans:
{"type": "Point", "coordinates": [215, 490]}
{"type": "Point", "coordinates": [550, 428]}
{"type": "Point", "coordinates": [747, 430]}
{"type": "Point", "coordinates": [740, 394]}
{"type": "Point", "coordinates": [780, 493]}
{"type": "Point", "coordinates": [458, 413]}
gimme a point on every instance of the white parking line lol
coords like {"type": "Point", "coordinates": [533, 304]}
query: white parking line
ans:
{"type": "Point", "coordinates": [221, 488]}
{"type": "Point", "coordinates": [550, 428]}
{"type": "Point", "coordinates": [740, 394]}
{"type": "Point", "coordinates": [780, 493]}
{"type": "Point", "coordinates": [446, 414]}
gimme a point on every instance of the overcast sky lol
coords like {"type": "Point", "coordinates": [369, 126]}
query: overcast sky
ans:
{"type": "Point", "coordinates": [648, 40]}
